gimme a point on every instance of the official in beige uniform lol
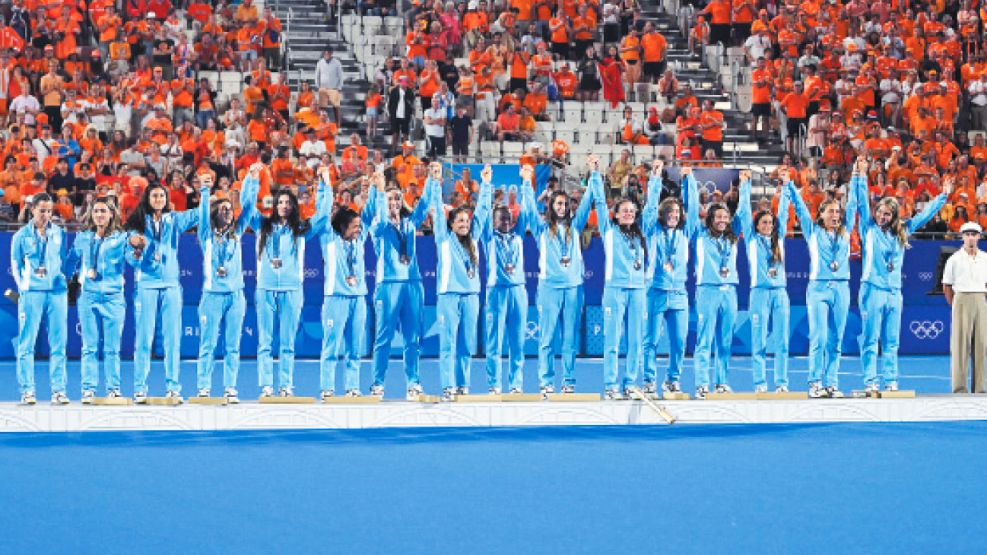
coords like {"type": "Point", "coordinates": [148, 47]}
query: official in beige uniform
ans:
{"type": "Point", "coordinates": [965, 284]}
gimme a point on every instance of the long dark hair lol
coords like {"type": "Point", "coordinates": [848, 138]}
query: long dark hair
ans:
{"type": "Point", "coordinates": [114, 224]}
{"type": "Point", "coordinates": [214, 219]}
{"type": "Point", "coordinates": [465, 241]}
{"type": "Point", "coordinates": [775, 241]}
{"type": "Point", "coordinates": [728, 233]}
{"type": "Point", "coordinates": [138, 218]}
{"type": "Point", "coordinates": [633, 231]}
{"type": "Point", "coordinates": [294, 220]}
{"type": "Point", "coordinates": [405, 209]}
{"type": "Point", "coordinates": [553, 220]}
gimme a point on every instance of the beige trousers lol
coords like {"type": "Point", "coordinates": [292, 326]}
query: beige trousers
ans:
{"type": "Point", "coordinates": [966, 339]}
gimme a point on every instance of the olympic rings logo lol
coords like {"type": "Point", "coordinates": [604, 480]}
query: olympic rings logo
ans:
{"type": "Point", "coordinates": [925, 276]}
{"type": "Point", "coordinates": [311, 273]}
{"type": "Point", "coordinates": [925, 329]}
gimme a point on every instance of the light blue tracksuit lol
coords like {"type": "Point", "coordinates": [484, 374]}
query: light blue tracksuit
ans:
{"type": "Point", "coordinates": [769, 302]}
{"type": "Point", "coordinates": [880, 297]}
{"type": "Point", "coordinates": [279, 295]}
{"type": "Point", "coordinates": [560, 287]}
{"type": "Point", "coordinates": [667, 272]}
{"type": "Point", "coordinates": [457, 284]}
{"type": "Point", "coordinates": [102, 306]}
{"type": "Point", "coordinates": [507, 297]}
{"type": "Point", "coordinates": [223, 304]}
{"type": "Point", "coordinates": [399, 298]}
{"type": "Point", "coordinates": [36, 260]}
{"type": "Point", "coordinates": [159, 292]}
{"type": "Point", "coordinates": [344, 307]}
{"type": "Point", "coordinates": [716, 297]}
{"type": "Point", "coordinates": [623, 293]}
{"type": "Point", "coordinates": [827, 297]}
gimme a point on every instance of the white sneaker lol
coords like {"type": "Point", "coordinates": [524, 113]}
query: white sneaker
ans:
{"type": "Point", "coordinates": [140, 397]}
{"type": "Point", "coordinates": [59, 398]}
{"type": "Point", "coordinates": [267, 391]}
{"type": "Point", "coordinates": [353, 393]}
{"type": "Point", "coordinates": [671, 387]}
{"type": "Point", "coordinates": [462, 391]}
{"type": "Point", "coordinates": [377, 390]}
{"type": "Point", "coordinates": [650, 388]}
{"type": "Point", "coordinates": [834, 392]}
{"type": "Point", "coordinates": [702, 391]}
{"type": "Point", "coordinates": [204, 392]}
{"type": "Point", "coordinates": [113, 394]}
{"type": "Point", "coordinates": [516, 391]}
{"type": "Point", "coordinates": [448, 394]}
{"type": "Point", "coordinates": [28, 398]}
{"type": "Point", "coordinates": [175, 396]}
{"type": "Point", "coordinates": [781, 389]}
{"type": "Point", "coordinates": [231, 396]}
{"type": "Point", "coordinates": [568, 389]}
{"type": "Point", "coordinates": [613, 395]}
{"type": "Point", "coordinates": [817, 391]}
{"type": "Point", "coordinates": [871, 388]}
{"type": "Point", "coordinates": [88, 396]}
{"type": "Point", "coordinates": [286, 392]}
{"type": "Point", "coordinates": [414, 392]}
{"type": "Point", "coordinates": [327, 394]}
{"type": "Point", "coordinates": [891, 386]}
{"type": "Point", "coordinates": [547, 390]}
{"type": "Point", "coordinates": [494, 391]}
{"type": "Point", "coordinates": [762, 388]}
{"type": "Point", "coordinates": [723, 388]}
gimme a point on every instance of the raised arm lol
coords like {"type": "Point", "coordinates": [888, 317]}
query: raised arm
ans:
{"type": "Point", "coordinates": [433, 182]}
{"type": "Point", "coordinates": [602, 210]}
{"type": "Point", "coordinates": [323, 206]}
{"type": "Point", "coordinates": [858, 184]}
{"type": "Point", "coordinates": [783, 211]}
{"type": "Point", "coordinates": [482, 224]}
{"type": "Point", "coordinates": [433, 201]}
{"type": "Point", "coordinates": [529, 207]}
{"type": "Point", "coordinates": [692, 222]}
{"type": "Point", "coordinates": [581, 216]}
{"type": "Point", "coordinates": [801, 210]}
{"type": "Point", "coordinates": [935, 205]}
{"type": "Point", "coordinates": [743, 218]}
{"type": "Point", "coordinates": [250, 216]}
{"type": "Point", "coordinates": [850, 214]}
{"type": "Point", "coordinates": [649, 216]}
{"type": "Point", "coordinates": [205, 200]}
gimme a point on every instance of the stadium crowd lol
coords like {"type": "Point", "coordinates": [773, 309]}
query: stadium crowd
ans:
{"type": "Point", "coordinates": [100, 98]}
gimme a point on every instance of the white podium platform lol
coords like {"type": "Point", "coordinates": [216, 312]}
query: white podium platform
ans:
{"type": "Point", "coordinates": [395, 414]}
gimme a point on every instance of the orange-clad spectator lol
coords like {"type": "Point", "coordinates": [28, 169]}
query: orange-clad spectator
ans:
{"type": "Point", "coordinates": [795, 105]}
{"type": "Point", "coordinates": [761, 81]}
{"type": "Point", "coordinates": [559, 30]}
{"type": "Point", "coordinates": [653, 45]}
{"type": "Point", "coordinates": [711, 125]}
{"type": "Point", "coordinates": [246, 12]}
{"type": "Point", "coordinates": [536, 102]}
{"type": "Point", "coordinates": [630, 54]}
{"type": "Point", "coordinates": [720, 14]}
{"type": "Point", "coordinates": [566, 81]}
{"type": "Point", "coordinates": [373, 107]}
{"type": "Point", "coordinates": [508, 124]}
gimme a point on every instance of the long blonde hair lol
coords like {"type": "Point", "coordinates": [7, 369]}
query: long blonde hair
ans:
{"type": "Point", "coordinates": [896, 226]}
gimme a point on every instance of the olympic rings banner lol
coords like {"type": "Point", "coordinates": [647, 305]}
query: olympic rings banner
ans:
{"type": "Point", "coordinates": [925, 320]}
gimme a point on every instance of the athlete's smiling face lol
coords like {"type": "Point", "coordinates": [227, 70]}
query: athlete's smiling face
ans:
{"type": "Point", "coordinates": [831, 216]}
{"type": "Point", "coordinates": [101, 214]}
{"type": "Point", "coordinates": [883, 215]}
{"type": "Point", "coordinates": [672, 216]}
{"type": "Point", "coordinates": [224, 213]}
{"type": "Point", "coordinates": [560, 205]}
{"type": "Point", "coordinates": [394, 203]}
{"type": "Point", "coordinates": [502, 220]}
{"type": "Point", "coordinates": [766, 224]}
{"type": "Point", "coordinates": [42, 212]}
{"type": "Point", "coordinates": [461, 224]}
{"type": "Point", "coordinates": [284, 206]}
{"type": "Point", "coordinates": [721, 220]}
{"type": "Point", "coordinates": [626, 213]}
{"type": "Point", "coordinates": [158, 199]}
{"type": "Point", "coordinates": [353, 230]}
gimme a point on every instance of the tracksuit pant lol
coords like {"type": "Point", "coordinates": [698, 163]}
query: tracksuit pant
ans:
{"type": "Point", "coordinates": [716, 313]}
{"type": "Point", "coordinates": [769, 306]}
{"type": "Point", "coordinates": [101, 317]}
{"type": "Point", "coordinates": [558, 308]}
{"type": "Point", "coordinates": [620, 303]}
{"type": "Point", "coordinates": [220, 311]}
{"type": "Point", "coordinates": [344, 326]}
{"type": "Point", "coordinates": [149, 302]}
{"type": "Point", "coordinates": [286, 308]}
{"type": "Point", "coordinates": [507, 316]}
{"type": "Point", "coordinates": [457, 315]}
{"type": "Point", "coordinates": [668, 309]}
{"type": "Point", "coordinates": [828, 303]}
{"type": "Point", "coordinates": [31, 308]}
{"type": "Point", "coordinates": [398, 305]}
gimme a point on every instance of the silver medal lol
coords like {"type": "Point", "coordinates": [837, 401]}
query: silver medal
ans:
{"type": "Point", "coordinates": [669, 266]}
{"type": "Point", "coordinates": [41, 271]}
{"type": "Point", "coordinates": [890, 267]}
{"type": "Point", "coordinates": [276, 263]}
{"type": "Point", "coordinates": [565, 260]}
{"type": "Point", "coordinates": [724, 271]}
{"type": "Point", "coordinates": [157, 257]}
{"type": "Point", "coordinates": [405, 259]}
{"type": "Point", "coordinates": [91, 274]}
{"type": "Point", "coordinates": [772, 272]}
{"type": "Point", "coordinates": [509, 268]}
{"type": "Point", "coordinates": [221, 271]}
{"type": "Point", "coordinates": [834, 266]}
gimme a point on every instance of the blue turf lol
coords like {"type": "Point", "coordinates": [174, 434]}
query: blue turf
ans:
{"type": "Point", "coordinates": [926, 374]}
{"type": "Point", "coordinates": [861, 488]}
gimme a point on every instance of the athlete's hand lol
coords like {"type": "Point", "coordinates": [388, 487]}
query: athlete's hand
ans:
{"type": "Point", "coordinates": [255, 169]}
{"type": "Point", "coordinates": [138, 242]}
{"type": "Point", "coordinates": [527, 172]}
{"type": "Point", "coordinates": [593, 162]}
{"type": "Point", "coordinates": [486, 174]}
{"type": "Point", "coordinates": [657, 165]}
{"type": "Point", "coordinates": [745, 175]}
{"type": "Point", "coordinates": [435, 170]}
{"type": "Point", "coordinates": [686, 170]}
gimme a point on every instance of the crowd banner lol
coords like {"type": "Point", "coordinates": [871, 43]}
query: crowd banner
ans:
{"type": "Point", "coordinates": [924, 329]}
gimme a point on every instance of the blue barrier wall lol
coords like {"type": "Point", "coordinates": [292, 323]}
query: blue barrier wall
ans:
{"type": "Point", "coordinates": [925, 322]}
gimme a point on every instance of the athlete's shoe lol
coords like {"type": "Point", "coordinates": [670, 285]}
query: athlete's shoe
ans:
{"type": "Point", "coordinates": [414, 392]}
{"type": "Point", "coordinates": [723, 388]}
{"type": "Point", "coordinates": [781, 389]}
{"type": "Point", "coordinates": [448, 394]}
{"type": "Point", "coordinates": [547, 390]}
{"type": "Point", "coordinates": [28, 398]}
{"type": "Point", "coordinates": [140, 397]}
{"type": "Point", "coordinates": [568, 389]}
{"type": "Point", "coordinates": [494, 390]}
{"type": "Point", "coordinates": [231, 395]}
{"type": "Point", "coordinates": [204, 392]}
{"type": "Point", "coordinates": [175, 396]}
{"type": "Point", "coordinates": [834, 392]}
{"type": "Point", "coordinates": [327, 394]}
{"type": "Point", "coordinates": [891, 386]}
{"type": "Point", "coordinates": [817, 391]}
{"type": "Point", "coordinates": [516, 391]}
{"type": "Point", "coordinates": [353, 393]}
{"type": "Point", "coordinates": [59, 398]}
{"type": "Point", "coordinates": [113, 394]}
{"type": "Point", "coordinates": [871, 388]}
{"type": "Point", "coordinates": [613, 395]}
{"type": "Point", "coordinates": [286, 392]}
{"type": "Point", "coordinates": [761, 388]}
{"type": "Point", "coordinates": [377, 390]}
{"type": "Point", "coordinates": [650, 388]}
{"type": "Point", "coordinates": [88, 396]}
{"type": "Point", "coordinates": [267, 392]}
{"type": "Point", "coordinates": [462, 391]}
{"type": "Point", "coordinates": [671, 387]}
{"type": "Point", "coordinates": [702, 391]}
